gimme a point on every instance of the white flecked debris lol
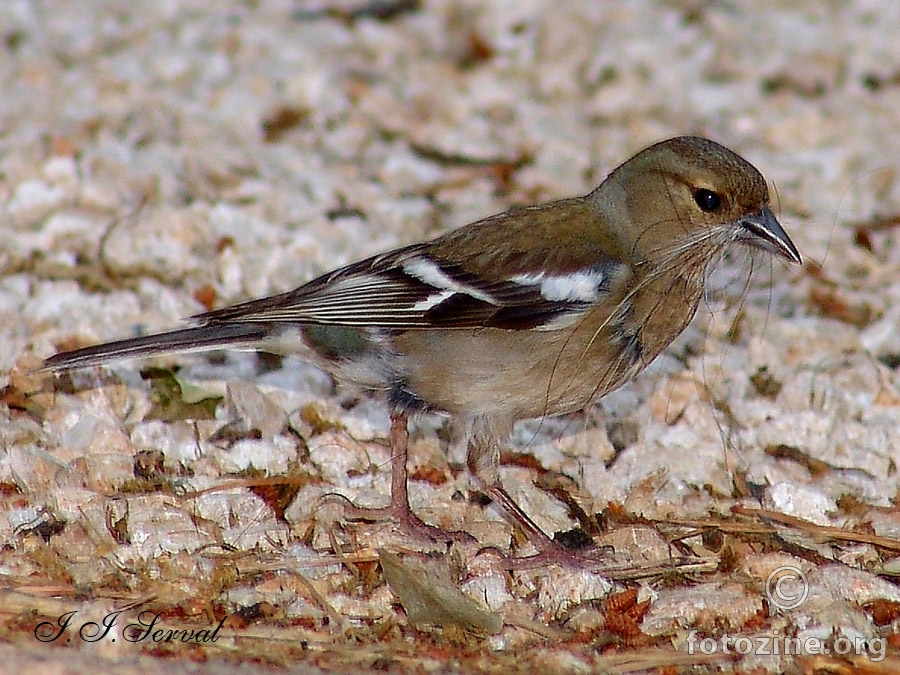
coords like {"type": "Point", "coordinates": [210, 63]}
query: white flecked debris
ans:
{"type": "Point", "coordinates": [560, 590]}
{"type": "Point", "coordinates": [251, 410]}
{"type": "Point", "coordinates": [32, 201]}
{"type": "Point", "coordinates": [800, 501]}
{"type": "Point", "coordinates": [706, 607]}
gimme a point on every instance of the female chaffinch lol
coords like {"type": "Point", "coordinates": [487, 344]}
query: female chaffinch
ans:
{"type": "Point", "coordinates": [535, 311]}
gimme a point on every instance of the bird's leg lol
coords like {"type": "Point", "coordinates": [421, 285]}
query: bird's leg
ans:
{"type": "Point", "coordinates": [399, 508]}
{"type": "Point", "coordinates": [483, 460]}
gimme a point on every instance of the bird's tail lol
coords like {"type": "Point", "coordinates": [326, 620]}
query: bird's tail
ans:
{"type": "Point", "coordinates": [198, 338]}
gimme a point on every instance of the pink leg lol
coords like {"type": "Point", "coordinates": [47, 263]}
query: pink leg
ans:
{"type": "Point", "coordinates": [399, 509]}
{"type": "Point", "coordinates": [483, 460]}
{"type": "Point", "coordinates": [550, 550]}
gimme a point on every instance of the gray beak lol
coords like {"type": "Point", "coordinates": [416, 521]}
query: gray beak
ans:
{"type": "Point", "coordinates": [763, 231]}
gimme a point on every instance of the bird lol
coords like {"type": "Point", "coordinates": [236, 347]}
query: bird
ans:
{"type": "Point", "coordinates": [539, 310]}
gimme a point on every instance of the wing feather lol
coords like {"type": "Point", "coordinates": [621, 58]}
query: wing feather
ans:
{"type": "Point", "coordinates": [417, 287]}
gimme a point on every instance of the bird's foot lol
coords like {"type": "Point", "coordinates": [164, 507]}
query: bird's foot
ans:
{"type": "Point", "coordinates": [578, 552]}
{"type": "Point", "coordinates": [401, 513]}
{"type": "Point", "coordinates": [590, 559]}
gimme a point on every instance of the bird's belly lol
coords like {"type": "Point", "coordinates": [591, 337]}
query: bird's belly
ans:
{"type": "Point", "coordinates": [519, 375]}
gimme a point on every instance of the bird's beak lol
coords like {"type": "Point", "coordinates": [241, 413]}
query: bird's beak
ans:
{"type": "Point", "coordinates": [763, 231]}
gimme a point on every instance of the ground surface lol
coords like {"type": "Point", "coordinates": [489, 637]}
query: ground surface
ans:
{"type": "Point", "coordinates": [157, 158]}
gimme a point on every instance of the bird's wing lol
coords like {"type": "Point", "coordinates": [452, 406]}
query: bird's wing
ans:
{"type": "Point", "coordinates": [423, 286]}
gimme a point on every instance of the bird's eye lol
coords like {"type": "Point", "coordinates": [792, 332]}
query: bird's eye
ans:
{"type": "Point", "coordinates": [707, 200]}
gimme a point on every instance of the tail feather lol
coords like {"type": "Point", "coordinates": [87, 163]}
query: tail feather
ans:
{"type": "Point", "coordinates": [198, 338]}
